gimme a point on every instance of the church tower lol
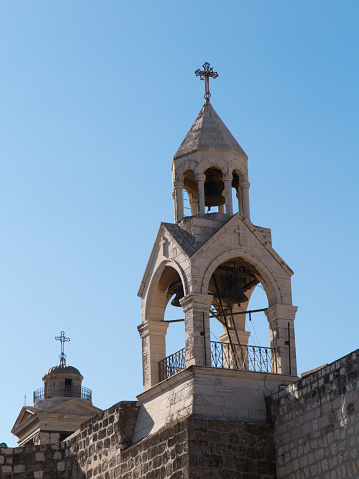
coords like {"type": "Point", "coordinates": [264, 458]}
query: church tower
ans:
{"type": "Point", "coordinates": [212, 261]}
{"type": "Point", "coordinates": [59, 408]}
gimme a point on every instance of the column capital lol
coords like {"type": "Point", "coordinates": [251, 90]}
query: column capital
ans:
{"type": "Point", "coordinates": [178, 184]}
{"type": "Point", "coordinates": [200, 302]}
{"type": "Point", "coordinates": [152, 327]}
{"type": "Point", "coordinates": [281, 311]}
{"type": "Point", "coordinates": [228, 178]}
{"type": "Point", "coordinates": [200, 177]}
{"type": "Point", "coordinates": [244, 184]}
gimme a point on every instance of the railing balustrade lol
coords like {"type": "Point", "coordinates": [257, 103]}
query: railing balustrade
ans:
{"type": "Point", "coordinates": [223, 355]}
{"type": "Point", "coordinates": [172, 364]}
{"type": "Point", "coordinates": [67, 391]}
{"type": "Point", "coordinates": [244, 358]}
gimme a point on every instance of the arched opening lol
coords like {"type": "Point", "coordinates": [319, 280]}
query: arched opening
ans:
{"type": "Point", "coordinates": [235, 342]}
{"type": "Point", "coordinates": [167, 354]}
{"type": "Point", "coordinates": [189, 193]}
{"type": "Point", "coordinates": [214, 190]}
{"type": "Point", "coordinates": [186, 204]}
{"type": "Point", "coordinates": [257, 323]}
{"type": "Point", "coordinates": [236, 193]}
{"type": "Point", "coordinates": [175, 337]}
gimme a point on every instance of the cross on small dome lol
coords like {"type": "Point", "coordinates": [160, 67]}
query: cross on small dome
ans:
{"type": "Point", "coordinates": [63, 340]}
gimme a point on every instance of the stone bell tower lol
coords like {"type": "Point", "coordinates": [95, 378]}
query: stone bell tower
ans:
{"type": "Point", "coordinates": [212, 260]}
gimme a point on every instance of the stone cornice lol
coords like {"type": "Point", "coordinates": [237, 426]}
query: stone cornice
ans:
{"type": "Point", "coordinates": [193, 371]}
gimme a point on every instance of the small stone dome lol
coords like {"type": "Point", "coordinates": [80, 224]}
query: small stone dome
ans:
{"type": "Point", "coordinates": [62, 369]}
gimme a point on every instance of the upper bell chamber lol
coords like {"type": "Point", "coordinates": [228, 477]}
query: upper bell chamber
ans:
{"type": "Point", "coordinates": [208, 165]}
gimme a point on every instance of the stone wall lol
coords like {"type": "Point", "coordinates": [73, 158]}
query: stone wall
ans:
{"type": "Point", "coordinates": [221, 449]}
{"type": "Point", "coordinates": [195, 447]}
{"type": "Point", "coordinates": [35, 462]}
{"type": "Point", "coordinates": [84, 454]}
{"type": "Point", "coordinates": [316, 425]}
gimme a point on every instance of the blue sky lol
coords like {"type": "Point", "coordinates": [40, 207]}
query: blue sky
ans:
{"type": "Point", "coordinates": [95, 99]}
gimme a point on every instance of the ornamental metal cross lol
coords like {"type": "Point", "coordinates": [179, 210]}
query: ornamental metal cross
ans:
{"type": "Point", "coordinates": [63, 340]}
{"type": "Point", "coordinates": [204, 75]}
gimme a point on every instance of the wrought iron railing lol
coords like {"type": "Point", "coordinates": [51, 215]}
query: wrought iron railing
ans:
{"type": "Point", "coordinates": [245, 358]}
{"type": "Point", "coordinates": [227, 356]}
{"type": "Point", "coordinates": [172, 364]}
{"type": "Point", "coordinates": [46, 393]}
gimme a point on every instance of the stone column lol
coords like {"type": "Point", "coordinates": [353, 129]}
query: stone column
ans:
{"type": "Point", "coordinates": [221, 209]}
{"type": "Point", "coordinates": [242, 335]}
{"type": "Point", "coordinates": [281, 328]}
{"type": "Point", "coordinates": [174, 204]}
{"type": "Point", "coordinates": [200, 194]}
{"type": "Point", "coordinates": [197, 330]}
{"type": "Point", "coordinates": [178, 186]}
{"type": "Point", "coordinates": [228, 194]}
{"type": "Point", "coordinates": [241, 360]}
{"type": "Point", "coordinates": [153, 335]}
{"type": "Point", "coordinates": [245, 198]}
{"type": "Point", "coordinates": [239, 198]}
{"type": "Point", "coordinates": [193, 205]}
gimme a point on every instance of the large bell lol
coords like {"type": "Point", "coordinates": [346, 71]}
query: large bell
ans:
{"type": "Point", "coordinates": [212, 194]}
{"type": "Point", "coordinates": [234, 293]}
{"type": "Point", "coordinates": [179, 295]}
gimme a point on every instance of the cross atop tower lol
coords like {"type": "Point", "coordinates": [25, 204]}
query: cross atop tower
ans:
{"type": "Point", "coordinates": [205, 74]}
{"type": "Point", "coordinates": [63, 340]}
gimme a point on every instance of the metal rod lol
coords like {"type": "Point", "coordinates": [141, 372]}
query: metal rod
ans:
{"type": "Point", "coordinates": [250, 311]}
{"type": "Point", "coordinates": [290, 362]}
{"type": "Point", "coordinates": [171, 320]}
{"type": "Point", "coordinates": [237, 337]}
{"type": "Point", "coordinates": [217, 316]}
{"type": "Point", "coordinates": [226, 322]}
{"type": "Point", "coordinates": [204, 341]}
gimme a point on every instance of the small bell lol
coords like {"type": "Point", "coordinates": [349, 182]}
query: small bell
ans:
{"type": "Point", "coordinates": [179, 295]}
{"type": "Point", "coordinates": [212, 194]}
{"type": "Point", "coordinates": [234, 293]}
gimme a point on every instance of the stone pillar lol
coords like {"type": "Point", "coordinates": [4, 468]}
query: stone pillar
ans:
{"type": "Point", "coordinates": [241, 360]}
{"type": "Point", "coordinates": [239, 198]}
{"type": "Point", "coordinates": [228, 194]}
{"type": "Point", "coordinates": [242, 335]}
{"type": "Point", "coordinates": [193, 205]}
{"type": "Point", "coordinates": [221, 209]}
{"type": "Point", "coordinates": [200, 194]}
{"type": "Point", "coordinates": [281, 328]}
{"type": "Point", "coordinates": [174, 204]}
{"type": "Point", "coordinates": [178, 186]}
{"type": "Point", "coordinates": [197, 330]}
{"type": "Point", "coordinates": [153, 335]}
{"type": "Point", "coordinates": [245, 198]}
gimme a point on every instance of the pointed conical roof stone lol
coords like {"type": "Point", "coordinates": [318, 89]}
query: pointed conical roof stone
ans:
{"type": "Point", "coordinates": [208, 132]}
